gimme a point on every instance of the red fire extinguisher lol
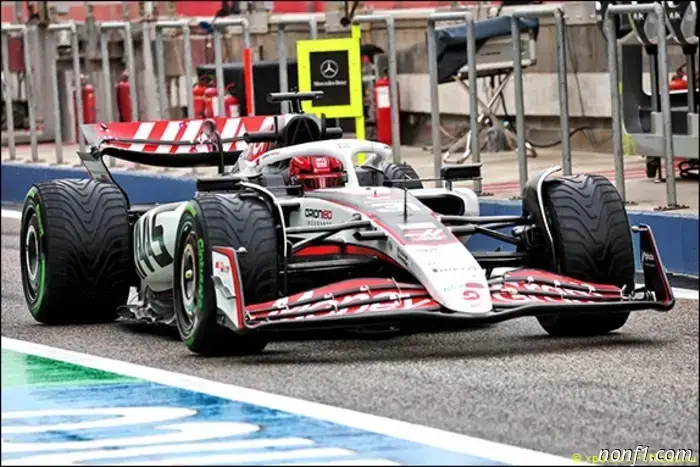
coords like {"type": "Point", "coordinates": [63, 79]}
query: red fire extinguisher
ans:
{"type": "Point", "coordinates": [231, 105]}
{"type": "Point", "coordinates": [123, 93]}
{"type": "Point", "coordinates": [382, 105]}
{"type": "Point", "coordinates": [679, 81]}
{"type": "Point", "coordinates": [198, 95]}
{"type": "Point", "coordinates": [210, 94]}
{"type": "Point", "coordinates": [89, 110]}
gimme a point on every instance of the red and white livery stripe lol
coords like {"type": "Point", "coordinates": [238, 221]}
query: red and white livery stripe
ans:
{"type": "Point", "coordinates": [143, 132]}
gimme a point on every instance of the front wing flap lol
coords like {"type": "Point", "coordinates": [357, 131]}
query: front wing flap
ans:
{"type": "Point", "coordinates": [521, 292]}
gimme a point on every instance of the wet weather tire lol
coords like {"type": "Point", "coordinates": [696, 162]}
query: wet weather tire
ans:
{"type": "Point", "coordinates": [75, 251]}
{"type": "Point", "coordinates": [212, 220]}
{"type": "Point", "coordinates": [592, 242]}
{"type": "Point", "coordinates": [395, 172]}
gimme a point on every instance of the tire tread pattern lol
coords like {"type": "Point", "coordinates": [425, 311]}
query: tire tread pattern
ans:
{"type": "Point", "coordinates": [87, 250]}
{"type": "Point", "coordinates": [247, 222]}
{"type": "Point", "coordinates": [236, 221]}
{"type": "Point", "coordinates": [593, 242]}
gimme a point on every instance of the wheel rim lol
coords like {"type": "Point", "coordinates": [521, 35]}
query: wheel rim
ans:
{"type": "Point", "coordinates": [189, 283]}
{"type": "Point", "coordinates": [32, 258]}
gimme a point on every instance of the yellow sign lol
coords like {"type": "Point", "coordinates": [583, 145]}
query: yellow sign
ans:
{"type": "Point", "coordinates": [334, 67]}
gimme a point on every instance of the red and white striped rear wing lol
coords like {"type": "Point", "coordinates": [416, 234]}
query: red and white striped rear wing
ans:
{"type": "Point", "coordinates": [169, 143]}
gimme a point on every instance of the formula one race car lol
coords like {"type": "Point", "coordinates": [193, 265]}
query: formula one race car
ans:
{"type": "Point", "coordinates": [299, 237]}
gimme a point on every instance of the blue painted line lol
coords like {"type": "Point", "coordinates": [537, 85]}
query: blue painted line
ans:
{"type": "Point", "coordinates": [676, 234]}
{"type": "Point", "coordinates": [272, 424]}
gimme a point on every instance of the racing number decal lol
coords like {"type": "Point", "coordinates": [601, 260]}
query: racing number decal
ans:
{"type": "Point", "coordinates": [146, 234]}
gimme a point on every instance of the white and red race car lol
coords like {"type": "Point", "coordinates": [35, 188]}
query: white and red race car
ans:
{"type": "Point", "coordinates": [300, 237]}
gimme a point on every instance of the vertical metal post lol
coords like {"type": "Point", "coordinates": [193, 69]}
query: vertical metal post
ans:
{"type": "Point", "coordinates": [394, 91]}
{"type": "Point", "coordinates": [217, 25]}
{"type": "Point", "coordinates": [148, 75]}
{"type": "Point", "coordinates": [671, 195]}
{"type": "Point", "coordinates": [106, 75]}
{"type": "Point", "coordinates": [31, 100]}
{"type": "Point", "coordinates": [103, 30]}
{"type": "Point", "coordinates": [560, 24]}
{"type": "Point", "coordinates": [53, 28]}
{"type": "Point", "coordinates": [19, 12]}
{"type": "Point", "coordinates": [615, 104]}
{"type": "Point", "coordinates": [282, 51]}
{"type": "Point", "coordinates": [58, 128]}
{"type": "Point", "coordinates": [131, 69]}
{"type": "Point", "coordinates": [388, 20]}
{"type": "Point", "coordinates": [187, 52]}
{"type": "Point", "coordinates": [106, 82]}
{"type": "Point", "coordinates": [160, 75]}
{"type": "Point", "coordinates": [433, 82]}
{"type": "Point", "coordinates": [75, 51]}
{"type": "Point", "coordinates": [282, 60]}
{"type": "Point", "coordinates": [473, 97]}
{"type": "Point", "coordinates": [8, 97]}
{"type": "Point", "coordinates": [519, 105]}
{"type": "Point", "coordinates": [434, 101]}
{"type": "Point", "coordinates": [219, 71]}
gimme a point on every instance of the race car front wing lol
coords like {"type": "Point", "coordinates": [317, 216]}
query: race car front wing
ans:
{"type": "Point", "coordinates": [518, 293]}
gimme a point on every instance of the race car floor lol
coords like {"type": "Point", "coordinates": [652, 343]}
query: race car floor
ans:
{"type": "Point", "coordinates": [507, 383]}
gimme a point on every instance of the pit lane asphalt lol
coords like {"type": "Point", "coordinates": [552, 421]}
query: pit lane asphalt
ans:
{"type": "Point", "coordinates": [507, 383]}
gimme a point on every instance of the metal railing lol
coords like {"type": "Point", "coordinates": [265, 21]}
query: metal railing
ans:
{"type": "Point", "coordinates": [29, 80]}
{"type": "Point", "coordinates": [282, 50]}
{"type": "Point", "coordinates": [75, 52]}
{"type": "Point", "coordinates": [616, 107]}
{"type": "Point", "coordinates": [104, 29]}
{"type": "Point", "coordinates": [560, 25]}
{"type": "Point", "coordinates": [217, 26]}
{"type": "Point", "coordinates": [388, 21]}
{"type": "Point", "coordinates": [434, 95]}
{"type": "Point", "coordinates": [164, 102]}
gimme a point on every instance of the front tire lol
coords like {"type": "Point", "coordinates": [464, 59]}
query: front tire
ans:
{"type": "Point", "coordinates": [75, 251]}
{"type": "Point", "coordinates": [592, 242]}
{"type": "Point", "coordinates": [242, 223]}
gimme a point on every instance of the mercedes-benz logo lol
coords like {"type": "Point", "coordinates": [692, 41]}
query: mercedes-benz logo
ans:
{"type": "Point", "coordinates": [329, 69]}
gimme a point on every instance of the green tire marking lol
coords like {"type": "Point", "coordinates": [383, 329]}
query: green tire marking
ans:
{"type": "Point", "coordinates": [31, 193]}
{"type": "Point", "coordinates": [190, 208]}
{"type": "Point", "coordinates": [42, 286]}
{"type": "Point", "coordinates": [39, 221]}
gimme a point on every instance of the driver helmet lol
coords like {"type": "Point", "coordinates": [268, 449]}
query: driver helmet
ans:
{"type": "Point", "coordinates": [314, 172]}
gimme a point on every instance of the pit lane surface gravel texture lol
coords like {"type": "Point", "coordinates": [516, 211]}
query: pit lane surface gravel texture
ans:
{"type": "Point", "coordinates": [507, 383]}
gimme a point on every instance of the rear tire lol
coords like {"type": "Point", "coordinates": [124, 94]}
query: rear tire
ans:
{"type": "Point", "coordinates": [75, 251]}
{"type": "Point", "coordinates": [223, 220]}
{"type": "Point", "coordinates": [592, 242]}
{"type": "Point", "coordinates": [397, 172]}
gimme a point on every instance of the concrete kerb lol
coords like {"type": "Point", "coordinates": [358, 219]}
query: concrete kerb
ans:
{"type": "Point", "coordinates": [676, 234]}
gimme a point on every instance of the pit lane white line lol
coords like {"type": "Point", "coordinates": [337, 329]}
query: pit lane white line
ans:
{"type": "Point", "coordinates": [426, 436]}
{"type": "Point", "coordinates": [686, 294]}
{"type": "Point", "coordinates": [10, 214]}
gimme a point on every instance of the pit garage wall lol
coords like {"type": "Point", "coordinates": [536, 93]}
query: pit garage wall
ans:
{"type": "Point", "coordinates": [676, 235]}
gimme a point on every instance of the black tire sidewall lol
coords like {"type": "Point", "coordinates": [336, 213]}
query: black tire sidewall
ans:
{"type": "Point", "coordinates": [191, 228]}
{"type": "Point", "coordinates": [38, 306]}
